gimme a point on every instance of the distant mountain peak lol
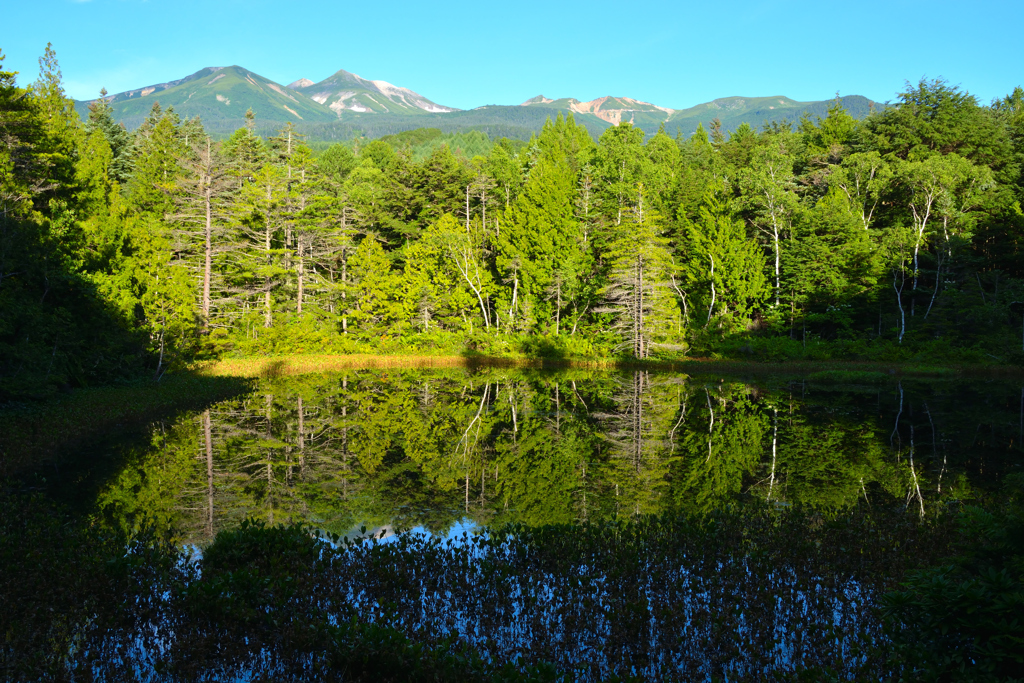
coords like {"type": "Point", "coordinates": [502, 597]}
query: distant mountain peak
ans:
{"type": "Point", "coordinates": [217, 93]}
{"type": "Point", "coordinates": [613, 110]}
{"type": "Point", "coordinates": [616, 109]}
{"type": "Point", "coordinates": [221, 96]}
{"type": "Point", "coordinates": [345, 91]}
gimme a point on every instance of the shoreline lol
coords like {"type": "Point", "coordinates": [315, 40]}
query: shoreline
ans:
{"type": "Point", "coordinates": [267, 367]}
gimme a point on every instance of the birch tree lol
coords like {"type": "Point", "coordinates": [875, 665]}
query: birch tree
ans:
{"type": "Point", "coordinates": [863, 177]}
{"type": "Point", "coordinates": [767, 193]}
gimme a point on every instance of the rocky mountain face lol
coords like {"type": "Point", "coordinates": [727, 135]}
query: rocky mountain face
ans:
{"type": "Point", "coordinates": [730, 111]}
{"type": "Point", "coordinates": [344, 91]}
{"type": "Point", "coordinates": [612, 110]}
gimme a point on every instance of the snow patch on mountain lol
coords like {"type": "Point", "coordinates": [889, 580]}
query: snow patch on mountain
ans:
{"type": "Point", "coordinates": [358, 94]}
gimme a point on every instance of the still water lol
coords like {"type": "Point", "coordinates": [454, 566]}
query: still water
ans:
{"type": "Point", "coordinates": [456, 449]}
{"type": "Point", "coordinates": [747, 594]}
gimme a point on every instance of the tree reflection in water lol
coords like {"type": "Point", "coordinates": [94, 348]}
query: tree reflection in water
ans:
{"type": "Point", "coordinates": [426, 449]}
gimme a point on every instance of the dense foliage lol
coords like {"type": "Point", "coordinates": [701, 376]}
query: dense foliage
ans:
{"type": "Point", "coordinates": [882, 237]}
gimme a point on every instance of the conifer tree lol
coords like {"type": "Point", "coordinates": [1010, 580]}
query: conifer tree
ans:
{"type": "Point", "coordinates": [203, 204]}
{"type": "Point", "coordinates": [539, 236]}
{"type": "Point", "coordinates": [157, 149]}
{"type": "Point", "coordinates": [261, 218]}
{"type": "Point", "coordinates": [831, 262]}
{"type": "Point", "coordinates": [722, 271]}
{"type": "Point", "coordinates": [373, 287]}
{"type": "Point", "coordinates": [101, 118]}
{"type": "Point", "coordinates": [61, 128]}
{"type": "Point", "coordinates": [245, 150]}
{"type": "Point", "coordinates": [94, 176]}
{"type": "Point", "coordinates": [638, 295]}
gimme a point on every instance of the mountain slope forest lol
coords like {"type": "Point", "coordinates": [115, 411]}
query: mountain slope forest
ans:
{"type": "Point", "coordinates": [125, 253]}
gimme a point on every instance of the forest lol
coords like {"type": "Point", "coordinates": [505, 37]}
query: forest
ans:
{"type": "Point", "coordinates": [125, 253]}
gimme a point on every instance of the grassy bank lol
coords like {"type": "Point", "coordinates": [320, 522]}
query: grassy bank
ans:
{"type": "Point", "coordinates": [298, 364]}
{"type": "Point", "coordinates": [31, 431]}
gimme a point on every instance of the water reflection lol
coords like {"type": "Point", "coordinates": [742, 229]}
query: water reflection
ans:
{"type": "Point", "coordinates": [433, 449]}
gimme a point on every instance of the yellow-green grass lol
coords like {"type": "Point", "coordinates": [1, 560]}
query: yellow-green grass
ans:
{"type": "Point", "coordinates": [279, 366]}
{"type": "Point", "coordinates": [297, 364]}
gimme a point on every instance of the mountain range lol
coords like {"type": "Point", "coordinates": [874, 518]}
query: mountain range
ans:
{"type": "Point", "coordinates": [344, 104]}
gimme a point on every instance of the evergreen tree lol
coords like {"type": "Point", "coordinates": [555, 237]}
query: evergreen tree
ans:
{"type": "Point", "coordinates": [245, 150]}
{"type": "Point", "coordinates": [101, 118]}
{"type": "Point", "coordinates": [538, 238]}
{"type": "Point", "coordinates": [158, 146]}
{"type": "Point", "coordinates": [722, 271]}
{"type": "Point", "coordinates": [831, 262]}
{"type": "Point", "coordinates": [827, 140]}
{"type": "Point", "coordinates": [373, 288]}
{"type": "Point", "coordinates": [61, 128]}
{"type": "Point", "coordinates": [203, 205]}
{"type": "Point", "coordinates": [638, 292]}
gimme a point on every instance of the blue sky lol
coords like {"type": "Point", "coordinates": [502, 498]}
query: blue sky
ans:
{"type": "Point", "coordinates": [466, 54]}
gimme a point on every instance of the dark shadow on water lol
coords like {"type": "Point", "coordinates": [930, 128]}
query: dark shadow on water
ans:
{"type": "Point", "coordinates": [69, 446]}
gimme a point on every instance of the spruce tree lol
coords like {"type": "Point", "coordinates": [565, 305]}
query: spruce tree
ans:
{"type": "Point", "coordinates": [638, 295]}
{"type": "Point", "coordinates": [101, 118]}
{"type": "Point", "coordinates": [722, 274]}
{"type": "Point", "coordinates": [539, 236]}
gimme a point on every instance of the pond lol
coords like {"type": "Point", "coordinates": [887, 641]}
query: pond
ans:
{"type": "Point", "coordinates": [575, 497]}
{"type": "Point", "coordinates": [436, 449]}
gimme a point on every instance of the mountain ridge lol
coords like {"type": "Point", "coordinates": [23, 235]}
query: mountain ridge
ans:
{"type": "Point", "coordinates": [609, 108]}
{"type": "Point", "coordinates": [345, 104]}
{"type": "Point", "coordinates": [345, 91]}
